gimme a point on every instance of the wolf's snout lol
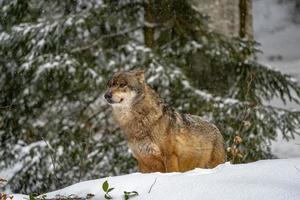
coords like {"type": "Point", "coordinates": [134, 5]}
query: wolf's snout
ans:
{"type": "Point", "coordinates": [108, 96]}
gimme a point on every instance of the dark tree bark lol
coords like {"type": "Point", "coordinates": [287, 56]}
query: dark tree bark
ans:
{"type": "Point", "coordinates": [149, 24]}
{"type": "Point", "coordinates": [245, 19]}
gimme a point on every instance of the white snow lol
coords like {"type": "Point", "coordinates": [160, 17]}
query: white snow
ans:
{"type": "Point", "coordinates": [266, 179]}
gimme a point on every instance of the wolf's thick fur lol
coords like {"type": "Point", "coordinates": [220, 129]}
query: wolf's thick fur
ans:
{"type": "Point", "coordinates": [161, 139]}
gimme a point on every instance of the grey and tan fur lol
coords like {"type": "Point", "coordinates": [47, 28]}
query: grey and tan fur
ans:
{"type": "Point", "coordinates": [161, 139]}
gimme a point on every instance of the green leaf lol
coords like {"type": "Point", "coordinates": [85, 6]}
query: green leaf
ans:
{"type": "Point", "coordinates": [31, 196]}
{"type": "Point", "coordinates": [107, 196]}
{"type": "Point", "coordinates": [126, 196]}
{"type": "Point", "coordinates": [110, 189]}
{"type": "Point", "coordinates": [105, 186]}
{"type": "Point", "coordinates": [134, 193]}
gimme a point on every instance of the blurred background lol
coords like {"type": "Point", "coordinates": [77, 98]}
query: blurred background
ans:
{"type": "Point", "coordinates": [277, 27]}
{"type": "Point", "coordinates": [234, 62]}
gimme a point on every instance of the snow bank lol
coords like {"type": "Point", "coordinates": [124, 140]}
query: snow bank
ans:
{"type": "Point", "coordinates": [267, 179]}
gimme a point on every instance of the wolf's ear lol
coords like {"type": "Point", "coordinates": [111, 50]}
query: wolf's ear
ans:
{"type": "Point", "coordinates": [140, 74]}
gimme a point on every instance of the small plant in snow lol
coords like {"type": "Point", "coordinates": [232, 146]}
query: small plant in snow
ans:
{"type": "Point", "coordinates": [107, 190]}
{"type": "Point", "coordinates": [34, 196]}
{"type": "Point", "coordinates": [4, 196]}
{"type": "Point", "coordinates": [127, 195]}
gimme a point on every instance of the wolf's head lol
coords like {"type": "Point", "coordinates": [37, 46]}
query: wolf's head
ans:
{"type": "Point", "coordinates": [125, 88]}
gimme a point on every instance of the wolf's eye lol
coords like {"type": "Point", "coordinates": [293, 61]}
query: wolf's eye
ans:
{"type": "Point", "coordinates": [122, 85]}
{"type": "Point", "coordinates": [110, 83]}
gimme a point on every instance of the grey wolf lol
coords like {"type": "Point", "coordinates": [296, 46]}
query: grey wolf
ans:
{"type": "Point", "coordinates": [161, 138]}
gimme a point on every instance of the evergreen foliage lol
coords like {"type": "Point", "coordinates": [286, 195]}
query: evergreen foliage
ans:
{"type": "Point", "coordinates": [55, 58]}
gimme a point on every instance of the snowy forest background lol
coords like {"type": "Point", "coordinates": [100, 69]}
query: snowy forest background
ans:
{"type": "Point", "coordinates": [201, 56]}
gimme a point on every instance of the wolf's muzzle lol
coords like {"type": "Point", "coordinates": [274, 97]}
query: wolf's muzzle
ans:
{"type": "Point", "coordinates": [108, 96]}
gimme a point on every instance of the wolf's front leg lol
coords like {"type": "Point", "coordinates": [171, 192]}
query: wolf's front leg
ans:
{"type": "Point", "coordinates": [171, 163]}
{"type": "Point", "coordinates": [143, 168]}
{"type": "Point", "coordinates": [152, 166]}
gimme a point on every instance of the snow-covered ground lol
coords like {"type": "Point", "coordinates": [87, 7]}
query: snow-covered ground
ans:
{"type": "Point", "coordinates": [279, 37]}
{"type": "Point", "coordinates": [267, 179]}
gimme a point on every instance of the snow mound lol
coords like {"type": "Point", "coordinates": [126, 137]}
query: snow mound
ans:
{"type": "Point", "coordinates": [267, 179]}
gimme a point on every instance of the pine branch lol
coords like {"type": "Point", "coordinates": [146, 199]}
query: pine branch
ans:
{"type": "Point", "coordinates": [108, 36]}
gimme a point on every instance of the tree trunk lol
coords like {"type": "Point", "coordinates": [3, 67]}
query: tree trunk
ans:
{"type": "Point", "coordinates": [245, 7]}
{"type": "Point", "coordinates": [233, 18]}
{"type": "Point", "coordinates": [149, 24]}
